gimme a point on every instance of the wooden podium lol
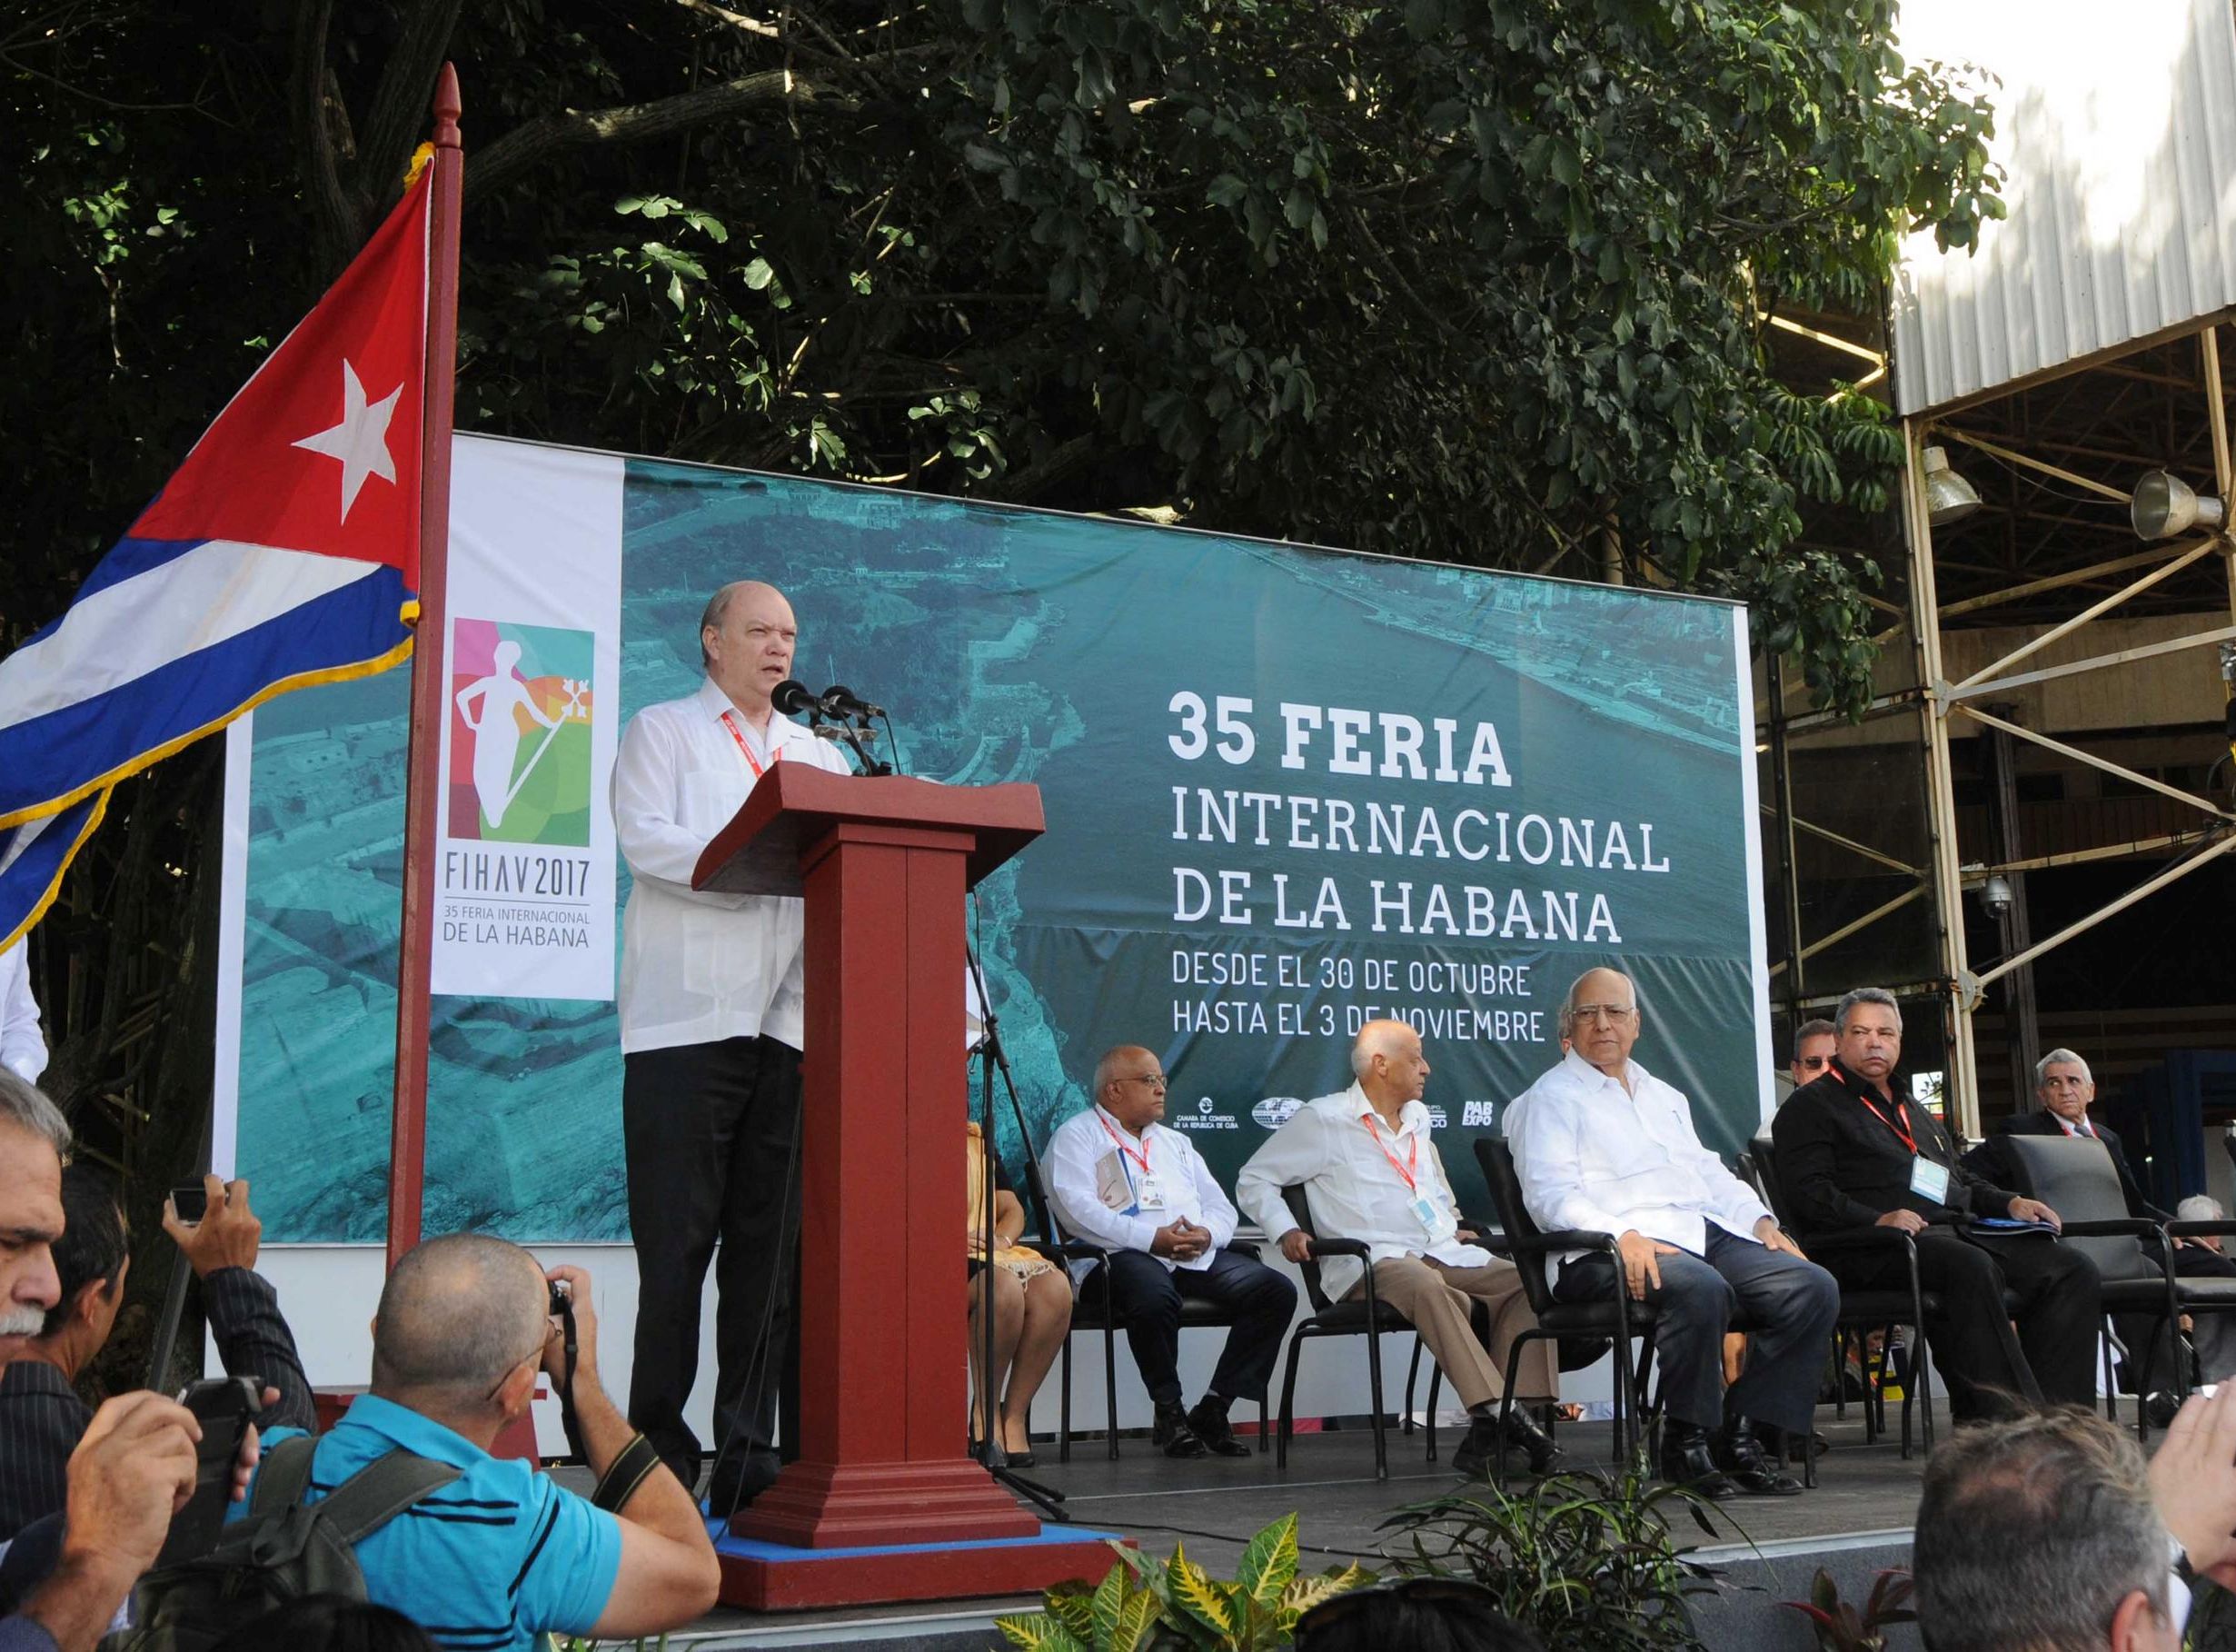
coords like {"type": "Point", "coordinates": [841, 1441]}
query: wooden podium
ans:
{"type": "Point", "coordinates": [884, 865]}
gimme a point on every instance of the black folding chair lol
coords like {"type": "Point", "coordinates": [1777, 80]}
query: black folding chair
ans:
{"type": "Point", "coordinates": [1860, 1311]}
{"type": "Point", "coordinates": [2074, 1176]}
{"type": "Point", "coordinates": [1619, 1320]}
{"type": "Point", "coordinates": [1365, 1316]}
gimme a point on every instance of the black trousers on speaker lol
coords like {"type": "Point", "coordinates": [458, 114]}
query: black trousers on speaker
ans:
{"type": "Point", "coordinates": [708, 1131]}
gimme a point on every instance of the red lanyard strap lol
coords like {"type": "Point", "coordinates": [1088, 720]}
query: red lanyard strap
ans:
{"type": "Point", "coordinates": [1412, 1156]}
{"type": "Point", "coordinates": [1902, 1130]}
{"type": "Point", "coordinates": [752, 761]}
{"type": "Point", "coordinates": [1141, 1159]}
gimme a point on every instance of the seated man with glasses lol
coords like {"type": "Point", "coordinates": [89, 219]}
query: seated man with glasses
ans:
{"type": "Point", "coordinates": [1119, 1177]}
{"type": "Point", "coordinates": [1601, 1144]}
{"type": "Point", "coordinates": [503, 1555]}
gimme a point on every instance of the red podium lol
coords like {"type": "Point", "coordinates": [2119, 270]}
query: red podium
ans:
{"type": "Point", "coordinates": [884, 1470]}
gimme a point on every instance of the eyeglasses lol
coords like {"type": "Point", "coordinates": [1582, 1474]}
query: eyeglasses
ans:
{"type": "Point", "coordinates": [1477, 1601]}
{"type": "Point", "coordinates": [1156, 1081]}
{"type": "Point", "coordinates": [1614, 1013]}
{"type": "Point", "coordinates": [1813, 1063]}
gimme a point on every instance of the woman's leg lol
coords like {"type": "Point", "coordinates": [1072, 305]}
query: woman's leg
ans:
{"type": "Point", "coordinates": [1047, 1319]}
{"type": "Point", "coordinates": [1009, 1325]}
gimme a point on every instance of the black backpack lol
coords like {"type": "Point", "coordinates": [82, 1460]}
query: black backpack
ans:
{"type": "Point", "coordinates": [284, 1549]}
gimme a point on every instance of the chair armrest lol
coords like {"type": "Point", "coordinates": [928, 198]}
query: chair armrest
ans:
{"type": "Point", "coordinates": [1339, 1247]}
{"type": "Point", "coordinates": [1071, 1249]}
{"type": "Point", "coordinates": [2199, 1229]}
{"type": "Point", "coordinates": [1561, 1239]}
{"type": "Point", "coordinates": [2110, 1228]}
{"type": "Point", "coordinates": [1835, 1240]}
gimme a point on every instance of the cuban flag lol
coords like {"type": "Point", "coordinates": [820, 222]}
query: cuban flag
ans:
{"type": "Point", "coordinates": [283, 551]}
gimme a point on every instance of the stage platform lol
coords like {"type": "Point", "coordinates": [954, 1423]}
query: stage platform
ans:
{"type": "Point", "coordinates": [1857, 1521]}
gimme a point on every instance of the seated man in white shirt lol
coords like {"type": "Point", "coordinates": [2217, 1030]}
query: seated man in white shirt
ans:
{"type": "Point", "coordinates": [1601, 1144]}
{"type": "Point", "coordinates": [1119, 1177]}
{"type": "Point", "coordinates": [1371, 1172]}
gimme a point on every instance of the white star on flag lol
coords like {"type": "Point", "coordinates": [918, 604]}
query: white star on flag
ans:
{"type": "Point", "coordinates": [360, 440]}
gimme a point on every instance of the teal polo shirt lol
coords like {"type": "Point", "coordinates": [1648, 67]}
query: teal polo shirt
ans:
{"type": "Point", "coordinates": [497, 1558]}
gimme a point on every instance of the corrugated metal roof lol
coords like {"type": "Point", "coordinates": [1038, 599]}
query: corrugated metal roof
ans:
{"type": "Point", "coordinates": [2116, 127]}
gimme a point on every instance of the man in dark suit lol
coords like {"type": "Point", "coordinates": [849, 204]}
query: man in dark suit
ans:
{"type": "Point", "coordinates": [1852, 1153]}
{"type": "Point", "coordinates": [2065, 1088]}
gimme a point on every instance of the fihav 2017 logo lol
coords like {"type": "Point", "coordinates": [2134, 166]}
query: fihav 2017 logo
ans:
{"type": "Point", "coordinates": [520, 712]}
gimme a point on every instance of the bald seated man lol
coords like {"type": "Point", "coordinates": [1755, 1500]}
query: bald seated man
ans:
{"type": "Point", "coordinates": [711, 1033]}
{"type": "Point", "coordinates": [1371, 1172]}
{"type": "Point", "coordinates": [1602, 1146]}
{"type": "Point", "coordinates": [1119, 1178]}
{"type": "Point", "coordinates": [503, 1554]}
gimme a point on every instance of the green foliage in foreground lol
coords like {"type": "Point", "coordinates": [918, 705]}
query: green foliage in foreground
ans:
{"type": "Point", "coordinates": [1141, 1605]}
{"type": "Point", "coordinates": [1590, 1564]}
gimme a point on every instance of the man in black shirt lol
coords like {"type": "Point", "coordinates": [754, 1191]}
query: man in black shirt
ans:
{"type": "Point", "coordinates": [1851, 1154]}
{"type": "Point", "coordinates": [42, 1419]}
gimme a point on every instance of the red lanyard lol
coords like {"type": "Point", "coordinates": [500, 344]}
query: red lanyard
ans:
{"type": "Point", "coordinates": [1901, 1131]}
{"type": "Point", "coordinates": [1141, 1159]}
{"type": "Point", "coordinates": [1413, 1155]}
{"type": "Point", "coordinates": [752, 763]}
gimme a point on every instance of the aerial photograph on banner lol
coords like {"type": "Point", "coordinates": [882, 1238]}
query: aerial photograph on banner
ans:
{"type": "Point", "coordinates": [1288, 791]}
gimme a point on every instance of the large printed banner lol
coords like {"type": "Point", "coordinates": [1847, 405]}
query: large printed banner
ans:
{"type": "Point", "coordinates": [1288, 791]}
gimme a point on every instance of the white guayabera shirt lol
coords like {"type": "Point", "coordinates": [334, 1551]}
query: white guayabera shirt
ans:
{"type": "Point", "coordinates": [701, 967]}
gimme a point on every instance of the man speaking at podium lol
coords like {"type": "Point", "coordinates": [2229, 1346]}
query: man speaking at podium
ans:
{"type": "Point", "coordinates": [711, 1006]}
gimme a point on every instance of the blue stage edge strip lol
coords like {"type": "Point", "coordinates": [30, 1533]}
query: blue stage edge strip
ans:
{"type": "Point", "coordinates": [747, 1548]}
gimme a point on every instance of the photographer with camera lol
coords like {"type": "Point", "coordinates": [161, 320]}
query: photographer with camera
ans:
{"type": "Point", "coordinates": [499, 1553]}
{"type": "Point", "coordinates": [42, 1418]}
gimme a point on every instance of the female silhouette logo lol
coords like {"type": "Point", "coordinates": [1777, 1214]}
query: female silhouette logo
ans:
{"type": "Point", "coordinates": [496, 731]}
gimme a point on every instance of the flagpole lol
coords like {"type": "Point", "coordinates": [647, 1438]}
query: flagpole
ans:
{"type": "Point", "coordinates": [407, 1136]}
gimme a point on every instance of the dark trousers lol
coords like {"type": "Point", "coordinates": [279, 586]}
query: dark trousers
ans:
{"type": "Point", "coordinates": [2214, 1336]}
{"type": "Point", "coordinates": [1791, 1303]}
{"type": "Point", "coordinates": [1148, 1300]}
{"type": "Point", "coordinates": [2050, 1358]}
{"type": "Point", "coordinates": [709, 1132]}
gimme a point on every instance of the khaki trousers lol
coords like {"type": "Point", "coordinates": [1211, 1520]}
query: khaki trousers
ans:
{"type": "Point", "coordinates": [1439, 1300]}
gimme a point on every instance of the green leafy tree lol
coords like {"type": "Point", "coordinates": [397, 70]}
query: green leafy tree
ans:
{"type": "Point", "coordinates": [1481, 281]}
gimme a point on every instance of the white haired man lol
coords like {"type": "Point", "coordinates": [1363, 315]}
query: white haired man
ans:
{"type": "Point", "coordinates": [1602, 1145]}
{"type": "Point", "coordinates": [2066, 1091]}
{"type": "Point", "coordinates": [1371, 1172]}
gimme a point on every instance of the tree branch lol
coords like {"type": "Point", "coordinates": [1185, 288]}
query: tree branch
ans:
{"type": "Point", "coordinates": [539, 140]}
{"type": "Point", "coordinates": [336, 229]}
{"type": "Point", "coordinates": [400, 115]}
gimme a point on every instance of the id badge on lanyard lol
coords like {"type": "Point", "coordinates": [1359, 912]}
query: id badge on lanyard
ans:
{"type": "Point", "coordinates": [1929, 1180]}
{"type": "Point", "coordinates": [1435, 1222]}
{"type": "Point", "coordinates": [1149, 1192]}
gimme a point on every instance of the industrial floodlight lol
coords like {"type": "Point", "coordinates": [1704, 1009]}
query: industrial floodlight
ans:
{"type": "Point", "coordinates": [2165, 505]}
{"type": "Point", "coordinates": [1948, 496]}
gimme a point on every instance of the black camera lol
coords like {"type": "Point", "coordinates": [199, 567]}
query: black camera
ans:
{"type": "Point", "coordinates": [562, 1303]}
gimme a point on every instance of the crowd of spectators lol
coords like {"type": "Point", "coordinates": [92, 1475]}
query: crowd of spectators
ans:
{"type": "Point", "coordinates": [496, 1556]}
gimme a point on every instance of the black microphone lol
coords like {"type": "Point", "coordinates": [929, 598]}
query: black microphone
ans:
{"type": "Point", "coordinates": [791, 698]}
{"type": "Point", "coordinates": [842, 702]}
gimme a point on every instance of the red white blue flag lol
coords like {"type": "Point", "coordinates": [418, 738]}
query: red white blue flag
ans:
{"type": "Point", "coordinates": [283, 551]}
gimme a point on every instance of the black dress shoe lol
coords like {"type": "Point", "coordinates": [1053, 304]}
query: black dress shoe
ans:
{"type": "Point", "coordinates": [1740, 1456]}
{"type": "Point", "coordinates": [1206, 1419]}
{"type": "Point", "coordinates": [1523, 1434]}
{"type": "Point", "coordinates": [1475, 1457]}
{"type": "Point", "coordinates": [1688, 1461]}
{"type": "Point", "coordinates": [1170, 1432]}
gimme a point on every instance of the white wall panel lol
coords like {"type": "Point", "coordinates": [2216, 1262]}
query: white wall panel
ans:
{"type": "Point", "coordinates": [2116, 127]}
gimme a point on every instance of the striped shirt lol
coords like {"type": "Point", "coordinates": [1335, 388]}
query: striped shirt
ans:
{"type": "Point", "coordinates": [487, 1563]}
